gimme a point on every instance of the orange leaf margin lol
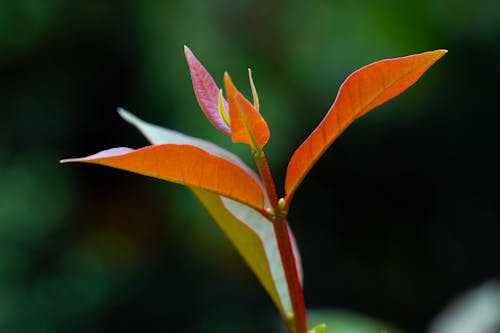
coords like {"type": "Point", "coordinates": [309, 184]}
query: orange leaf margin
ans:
{"type": "Point", "coordinates": [247, 124]}
{"type": "Point", "coordinates": [186, 165]}
{"type": "Point", "coordinates": [361, 92]}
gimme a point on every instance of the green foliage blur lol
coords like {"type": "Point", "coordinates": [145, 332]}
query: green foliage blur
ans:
{"type": "Point", "coordinates": [401, 215]}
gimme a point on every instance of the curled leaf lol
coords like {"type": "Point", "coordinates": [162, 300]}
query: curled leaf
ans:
{"type": "Point", "coordinates": [206, 91]}
{"type": "Point", "coordinates": [254, 90]}
{"type": "Point", "coordinates": [362, 91]}
{"type": "Point", "coordinates": [247, 124]}
{"type": "Point", "coordinates": [222, 109]}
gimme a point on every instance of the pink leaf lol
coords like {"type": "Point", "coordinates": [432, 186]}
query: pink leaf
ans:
{"type": "Point", "coordinates": [206, 91]}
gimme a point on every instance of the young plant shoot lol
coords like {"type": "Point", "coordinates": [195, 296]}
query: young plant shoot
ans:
{"type": "Point", "coordinates": [246, 205]}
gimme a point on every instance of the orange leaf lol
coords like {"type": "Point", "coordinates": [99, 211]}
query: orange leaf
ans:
{"type": "Point", "coordinates": [362, 91]}
{"type": "Point", "coordinates": [186, 165]}
{"type": "Point", "coordinates": [247, 124]}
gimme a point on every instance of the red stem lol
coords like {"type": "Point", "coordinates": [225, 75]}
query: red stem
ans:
{"type": "Point", "coordinates": [292, 277]}
{"type": "Point", "coordinates": [284, 246]}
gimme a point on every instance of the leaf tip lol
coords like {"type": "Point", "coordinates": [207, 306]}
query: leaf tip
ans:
{"type": "Point", "coordinates": [190, 57]}
{"type": "Point", "coordinates": [229, 85]}
{"type": "Point", "coordinates": [441, 52]}
{"type": "Point", "coordinates": [100, 155]}
{"type": "Point", "coordinates": [127, 116]}
{"type": "Point", "coordinates": [254, 90]}
{"type": "Point", "coordinates": [69, 160]}
{"type": "Point", "coordinates": [437, 54]}
{"type": "Point", "coordinates": [122, 112]}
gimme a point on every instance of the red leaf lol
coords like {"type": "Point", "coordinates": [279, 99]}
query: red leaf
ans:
{"type": "Point", "coordinates": [362, 91]}
{"type": "Point", "coordinates": [206, 91]}
{"type": "Point", "coordinates": [247, 124]}
{"type": "Point", "coordinates": [186, 165]}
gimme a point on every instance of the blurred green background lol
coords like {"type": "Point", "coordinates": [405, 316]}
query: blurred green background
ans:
{"type": "Point", "coordinates": [401, 215]}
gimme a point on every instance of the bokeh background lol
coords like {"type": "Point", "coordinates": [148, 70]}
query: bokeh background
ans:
{"type": "Point", "coordinates": [400, 216]}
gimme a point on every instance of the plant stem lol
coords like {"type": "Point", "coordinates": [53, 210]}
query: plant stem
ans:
{"type": "Point", "coordinates": [291, 274]}
{"type": "Point", "coordinates": [284, 246]}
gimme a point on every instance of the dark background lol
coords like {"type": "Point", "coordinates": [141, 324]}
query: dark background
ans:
{"type": "Point", "coordinates": [399, 217]}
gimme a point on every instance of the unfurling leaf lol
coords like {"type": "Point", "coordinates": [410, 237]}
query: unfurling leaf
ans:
{"type": "Point", "coordinates": [186, 165]}
{"type": "Point", "coordinates": [247, 124]}
{"type": "Point", "coordinates": [222, 109]}
{"type": "Point", "coordinates": [206, 91]}
{"type": "Point", "coordinates": [362, 91]}
{"type": "Point", "coordinates": [254, 90]}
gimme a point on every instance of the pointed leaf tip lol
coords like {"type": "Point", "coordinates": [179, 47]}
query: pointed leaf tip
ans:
{"type": "Point", "coordinates": [361, 92]}
{"type": "Point", "coordinates": [254, 91]}
{"type": "Point", "coordinates": [121, 111]}
{"type": "Point", "coordinates": [206, 91]}
{"type": "Point", "coordinates": [102, 154]}
{"type": "Point", "coordinates": [185, 165]}
{"type": "Point", "coordinates": [247, 124]}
